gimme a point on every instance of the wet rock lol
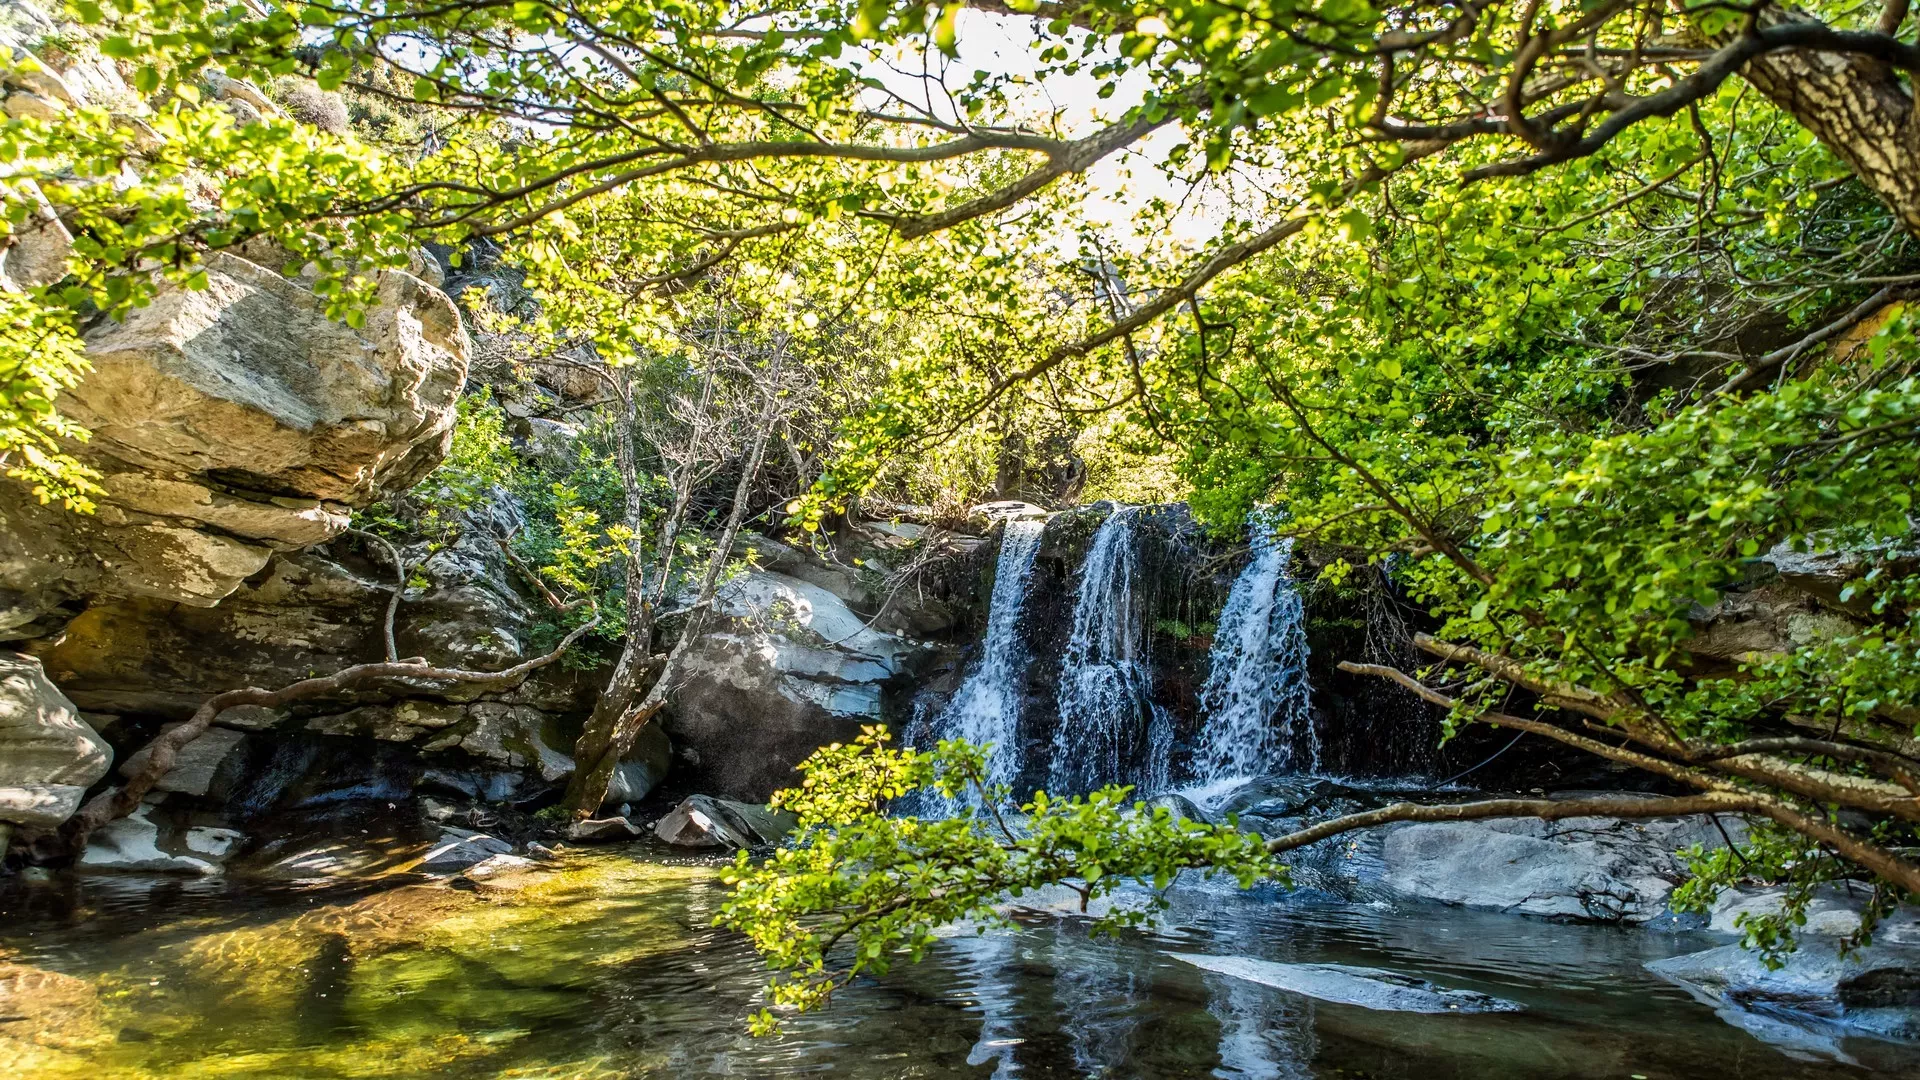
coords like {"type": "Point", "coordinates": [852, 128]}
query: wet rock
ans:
{"type": "Point", "coordinates": [1369, 988]}
{"type": "Point", "coordinates": [149, 841]}
{"type": "Point", "coordinates": [602, 831]}
{"type": "Point", "coordinates": [497, 865]}
{"type": "Point", "coordinates": [458, 849]}
{"type": "Point", "coordinates": [1005, 510]}
{"type": "Point", "coordinates": [1600, 869]}
{"type": "Point", "coordinates": [701, 821]}
{"type": "Point", "coordinates": [1180, 806]}
{"type": "Point", "coordinates": [49, 755]}
{"type": "Point", "coordinates": [1877, 991]}
{"type": "Point", "coordinates": [331, 860]}
{"type": "Point", "coordinates": [1833, 911]}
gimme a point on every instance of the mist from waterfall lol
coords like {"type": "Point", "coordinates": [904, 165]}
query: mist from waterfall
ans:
{"type": "Point", "coordinates": [986, 708]}
{"type": "Point", "coordinates": [1109, 731]}
{"type": "Point", "coordinates": [1257, 703]}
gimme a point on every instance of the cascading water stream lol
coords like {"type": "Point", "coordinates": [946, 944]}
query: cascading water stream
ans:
{"type": "Point", "coordinates": [986, 708]}
{"type": "Point", "coordinates": [1257, 701]}
{"type": "Point", "coordinates": [1108, 730]}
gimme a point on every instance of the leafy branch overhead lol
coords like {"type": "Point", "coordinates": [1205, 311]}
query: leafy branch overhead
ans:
{"type": "Point", "coordinates": [1590, 321]}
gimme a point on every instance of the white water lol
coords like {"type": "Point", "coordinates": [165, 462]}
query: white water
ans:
{"type": "Point", "coordinates": [1108, 730]}
{"type": "Point", "coordinates": [986, 708]}
{"type": "Point", "coordinates": [1257, 702]}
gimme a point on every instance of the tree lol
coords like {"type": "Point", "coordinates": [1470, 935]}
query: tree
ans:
{"type": "Point", "coordinates": [1536, 388]}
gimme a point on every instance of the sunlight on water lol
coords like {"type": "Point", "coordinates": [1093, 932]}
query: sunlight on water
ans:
{"type": "Point", "coordinates": [608, 969]}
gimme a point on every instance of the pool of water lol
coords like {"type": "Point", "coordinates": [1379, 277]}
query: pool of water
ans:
{"type": "Point", "coordinates": [609, 968]}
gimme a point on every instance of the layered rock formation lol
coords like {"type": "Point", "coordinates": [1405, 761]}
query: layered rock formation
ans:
{"type": "Point", "coordinates": [228, 424]}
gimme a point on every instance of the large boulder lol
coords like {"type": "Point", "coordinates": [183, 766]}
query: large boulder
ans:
{"type": "Point", "coordinates": [228, 423]}
{"type": "Point", "coordinates": [794, 669]}
{"type": "Point", "coordinates": [49, 755]}
{"type": "Point", "coordinates": [1588, 868]}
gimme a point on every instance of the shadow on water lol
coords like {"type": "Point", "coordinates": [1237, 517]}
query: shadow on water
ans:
{"type": "Point", "coordinates": [610, 968]}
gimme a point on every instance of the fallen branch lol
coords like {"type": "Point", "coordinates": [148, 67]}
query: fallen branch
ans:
{"type": "Point", "coordinates": [1545, 809]}
{"type": "Point", "coordinates": [1880, 860]}
{"type": "Point", "coordinates": [145, 767]}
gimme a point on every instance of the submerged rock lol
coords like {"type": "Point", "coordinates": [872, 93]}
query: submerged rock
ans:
{"type": "Point", "coordinates": [702, 821]}
{"type": "Point", "coordinates": [44, 1015]}
{"type": "Point", "coordinates": [459, 849]}
{"type": "Point", "coordinates": [147, 841]}
{"type": "Point", "coordinates": [1369, 988]}
{"type": "Point", "coordinates": [1876, 991]}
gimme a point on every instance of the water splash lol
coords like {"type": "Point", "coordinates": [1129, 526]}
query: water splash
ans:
{"type": "Point", "coordinates": [1108, 730]}
{"type": "Point", "coordinates": [1257, 701]}
{"type": "Point", "coordinates": [986, 709]}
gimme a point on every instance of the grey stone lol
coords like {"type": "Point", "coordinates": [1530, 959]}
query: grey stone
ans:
{"type": "Point", "coordinates": [516, 736]}
{"type": "Point", "coordinates": [45, 746]}
{"type": "Point", "coordinates": [602, 831]}
{"type": "Point", "coordinates": [40, 245]}
{"type": "Point", "coordinates": [138, 843]}
{"type": "Point", "coordinates": [1833, 911]}
{"type": "Point", "coordinates": [1600, 869]}
{"type": "Point", "coordinates": [1006, 510]}
{"type": "Point", "coordinates": [796, 669]}
{"type": "Point", "coordinates": [1369, 988]}
{"type": "Point", "coordinates": [228, 423]}
{"type": "Point", "coordinates": [40, 806]}
{"type": "Point", "coordinates": [458, 849]}
{"type": "Point", "coordinates": [495, 865]}
{"type": "Point", "coordinates": [1876, 991]}
{"type": "Point", "coordinates": [197, 769]}
{"type": "Point", "coordinates": [701, 821]}
{"type": "Point", "coordinates": [642, 770]}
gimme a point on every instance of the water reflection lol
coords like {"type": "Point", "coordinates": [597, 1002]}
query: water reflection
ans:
{"type": "Point", "coordinates": [611, 971]}
{"type": "Point", "coordinates": [985, 965]}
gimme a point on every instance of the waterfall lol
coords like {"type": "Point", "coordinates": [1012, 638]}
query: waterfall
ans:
{"type": "Point", "coordinates": [1105, 680]}
{"type": "Point", "coordinates": [986, 708]}
{"type": "Point", "coordinates": [1257, 703]}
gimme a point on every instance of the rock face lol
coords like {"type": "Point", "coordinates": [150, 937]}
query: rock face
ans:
{"type": "Point", "coordinates": [230, 423]}
{"type": "Point", "coordinates": [48, 754]}
{"type": "Point", "coordinates": [793, 669]}
{"type": "Point", "coordinates": [1601, 869]}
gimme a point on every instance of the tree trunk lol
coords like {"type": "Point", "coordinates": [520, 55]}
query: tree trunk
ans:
{"type": "Point", "coordinates": [1857, 106]}
{"type": "Point", "coordinates": [612, 730]}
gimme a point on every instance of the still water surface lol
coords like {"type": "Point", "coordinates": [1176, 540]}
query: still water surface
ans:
{"type": "Point", "coordinates": [610, 969]}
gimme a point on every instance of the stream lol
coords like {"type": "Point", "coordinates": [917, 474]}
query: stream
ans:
{"type": "Point", "coordinates": [608, 967]}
